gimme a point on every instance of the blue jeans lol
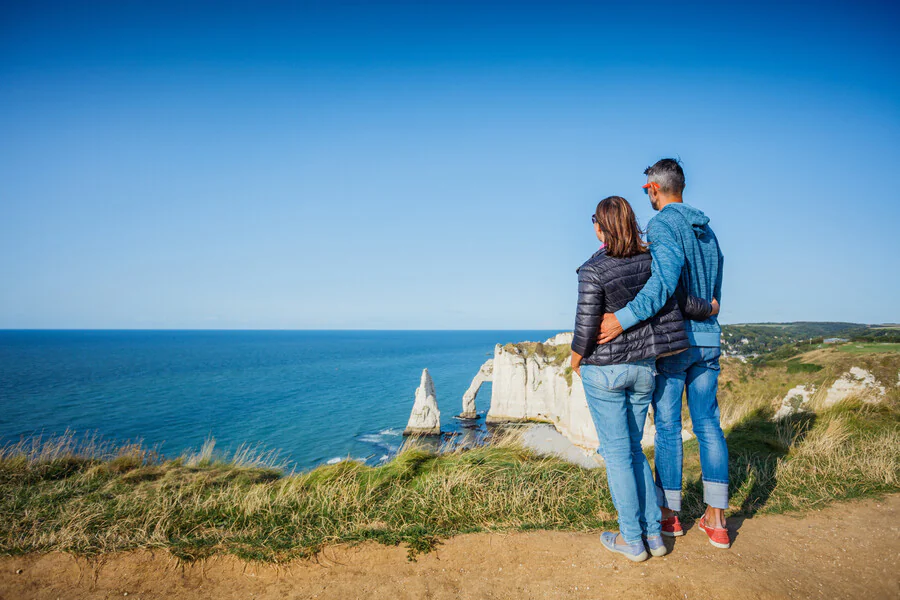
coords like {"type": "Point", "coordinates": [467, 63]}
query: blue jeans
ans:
{"type": "Point", "coordinates": [698, 369]}
{"type": "Point", "coordinates": [618, 397]}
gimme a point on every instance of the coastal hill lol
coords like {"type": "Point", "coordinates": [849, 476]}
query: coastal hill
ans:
{"type": "Point", "coordinates": [534, 382]}
{"type": "Point", "coordinates": [753, 340]}
{"type": "Point", "coordinates": [794, 446]}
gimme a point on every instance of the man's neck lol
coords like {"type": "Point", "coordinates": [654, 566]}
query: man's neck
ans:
{"type": "Point", "coordinates": [664, 201]}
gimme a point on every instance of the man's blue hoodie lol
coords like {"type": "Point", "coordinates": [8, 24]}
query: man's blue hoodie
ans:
{"type": "Point", "coordinates": [685, 250]}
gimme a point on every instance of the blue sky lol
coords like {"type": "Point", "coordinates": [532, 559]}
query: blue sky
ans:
{"type": "Point", "coordinates": [433, 166]}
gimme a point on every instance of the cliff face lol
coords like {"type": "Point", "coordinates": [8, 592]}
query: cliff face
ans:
{"type": "Point", "coordinates": [533, 382]}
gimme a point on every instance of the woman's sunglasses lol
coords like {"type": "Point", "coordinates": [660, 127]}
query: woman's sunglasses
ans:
{"type": "Point", "coordinates": [594, 219]}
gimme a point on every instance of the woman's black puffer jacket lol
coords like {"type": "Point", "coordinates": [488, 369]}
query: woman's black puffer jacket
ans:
{"type": "Point", "coordinates": [606, 284]}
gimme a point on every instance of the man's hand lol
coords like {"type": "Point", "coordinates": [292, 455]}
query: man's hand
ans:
{"type": "Point", "coordinates": [715, 306]}
{"type": "Point", "coordinates": [610, 329]}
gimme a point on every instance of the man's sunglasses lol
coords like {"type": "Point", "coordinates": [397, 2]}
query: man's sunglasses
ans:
{"type": "Point", "coordinates": [651, 184]}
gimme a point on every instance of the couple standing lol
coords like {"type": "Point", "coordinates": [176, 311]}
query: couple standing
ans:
{"type": "Point", "coordinates": [646, 331]}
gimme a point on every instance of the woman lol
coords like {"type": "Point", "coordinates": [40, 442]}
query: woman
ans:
{"type": "Point", "coordinates": [618, 377]}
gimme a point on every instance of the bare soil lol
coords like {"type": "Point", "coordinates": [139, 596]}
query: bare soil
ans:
{"type": "Point", "coordinates": [845, 551]}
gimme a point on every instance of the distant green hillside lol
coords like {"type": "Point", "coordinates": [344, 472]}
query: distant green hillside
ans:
{"type": "Point", "coordinates": [781, 340]}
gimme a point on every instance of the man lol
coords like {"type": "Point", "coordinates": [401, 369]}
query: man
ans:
{"type": "Point", "coordinates": [687, 261]}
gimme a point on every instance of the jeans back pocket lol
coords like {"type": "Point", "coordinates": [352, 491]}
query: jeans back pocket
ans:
{"type": "Point", "coordinates": [614, 377]}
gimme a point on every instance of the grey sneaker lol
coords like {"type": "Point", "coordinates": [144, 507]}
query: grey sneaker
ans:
{"type": "Point", "coordinates": [633, 552]}
{"type": "Point", "coordinates": [656, 546]}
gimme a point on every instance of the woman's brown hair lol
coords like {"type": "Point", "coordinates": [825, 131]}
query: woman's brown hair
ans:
{"type": "Point", "coordinates": [621, 233]}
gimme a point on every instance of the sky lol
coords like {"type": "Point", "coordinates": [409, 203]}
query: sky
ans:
{"type": "Point", "coordinates": [365, 165]}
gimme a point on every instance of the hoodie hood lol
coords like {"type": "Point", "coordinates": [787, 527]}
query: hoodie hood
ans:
{"type": "Point", "coordinates": [695, 217]}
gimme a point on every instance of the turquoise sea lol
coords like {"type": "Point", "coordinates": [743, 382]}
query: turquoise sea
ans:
{"type": "Point", "coordinates": [315, 396]}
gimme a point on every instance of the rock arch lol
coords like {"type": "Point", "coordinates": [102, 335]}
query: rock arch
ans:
{"type": "Point", "coordinates": [485, 373]}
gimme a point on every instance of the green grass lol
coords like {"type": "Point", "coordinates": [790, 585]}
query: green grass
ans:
{"type": "Point", "coordinates": [89, 499]}
{"type": "Point", "coordinates": [869, 348]}
{"type": "Point", "coordinates": [795, 366]}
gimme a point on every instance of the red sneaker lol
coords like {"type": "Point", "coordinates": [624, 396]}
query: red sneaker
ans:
{"type": "Point", "coordinates": [671, 527]}
{"type": "Point", "coordinates": [718, 536]}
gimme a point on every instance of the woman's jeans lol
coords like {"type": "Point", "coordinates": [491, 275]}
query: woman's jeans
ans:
{"type": "Point", "coordinates": [697, 368]}
{"type": "Point", "coordinates": [618, 397]}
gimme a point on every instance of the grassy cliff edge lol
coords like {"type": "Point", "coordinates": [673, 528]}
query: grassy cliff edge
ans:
{"type": "Point", "coordinates": [82, 497]}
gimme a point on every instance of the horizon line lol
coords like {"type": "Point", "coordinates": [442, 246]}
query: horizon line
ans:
{"type": "Point", "coordinates": [326, 329]}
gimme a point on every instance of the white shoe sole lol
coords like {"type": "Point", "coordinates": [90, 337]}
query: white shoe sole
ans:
{"type": "Point", "coordinates": [632, 557]}
{"type": "Point", "coordinates": [673, 534]}
{"type": "Point", "coordinates": [639, 558]}
{"type": "Point", "coordinates": [719, 545]}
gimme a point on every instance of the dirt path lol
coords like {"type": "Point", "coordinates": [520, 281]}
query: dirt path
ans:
{"type": "Point", "coordinates": [773, 557]}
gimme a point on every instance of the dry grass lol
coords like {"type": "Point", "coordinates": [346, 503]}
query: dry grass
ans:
{"type": "Point", "coordinates": [734, 412]}
{"type": "Point", "coordinates": [85, 496]}
{"type": "Point", "coordinates": [202, 505]}
{"type": "Point", "coordinates": [245, 456]}
{"type": "Point", "coordinates": [843, 456]}
{"type": "Point", "coordinates": [824, 454]}
{"type": "Point", "coordinates": [55, 496]}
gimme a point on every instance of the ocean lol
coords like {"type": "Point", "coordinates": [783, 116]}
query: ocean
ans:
{"type": "Point", "coordinates": [314, 396]}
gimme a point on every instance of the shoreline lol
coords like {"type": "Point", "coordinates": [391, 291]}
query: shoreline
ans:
{"type": "Point", "coordinates": [545, 440]}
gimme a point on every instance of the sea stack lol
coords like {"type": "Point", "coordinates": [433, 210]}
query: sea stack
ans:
{"type": "Point", "coordinates": [425, 418]}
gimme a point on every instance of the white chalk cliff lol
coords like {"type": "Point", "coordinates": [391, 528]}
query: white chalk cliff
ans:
{"type": "Point", "coordinates": [531, 382]}
{"type": "Point", "coordinates": [485, 373]}
{"type": "Point", "coordinates": [533, 387]}
{"type": "Point", "coordinates": [425, 418]}
{"type": "Point", "coordinates": [559, 339]}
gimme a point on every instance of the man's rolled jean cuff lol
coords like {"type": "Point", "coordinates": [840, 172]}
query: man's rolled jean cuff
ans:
{"type": "Point", "coordinates": [715, 494]}
{"type": "Point", "coordinates": [671, 499]}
